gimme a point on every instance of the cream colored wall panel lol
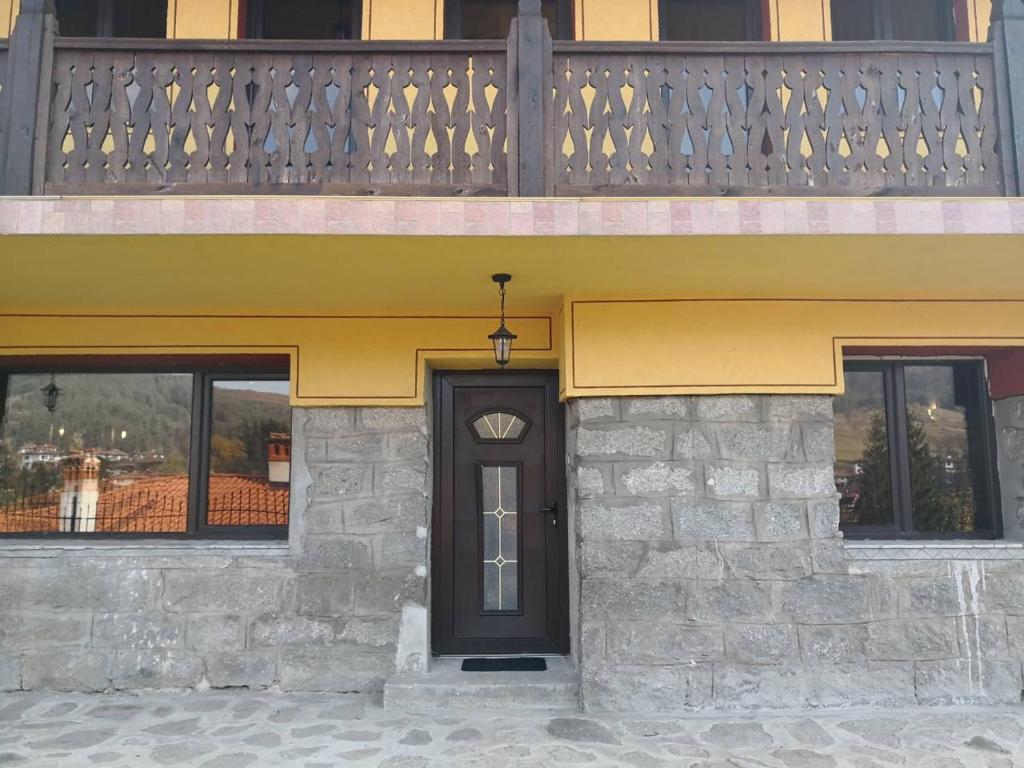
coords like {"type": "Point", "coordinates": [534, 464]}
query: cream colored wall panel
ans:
{"type": "Point", "coordinates": [798, 19]}
{"type": "Point", "coordinates": [216, 19]}
{"type": "Point", "coordinates": [8, 10]}
{"type": "Point", "coordinates": [979, 13]}
{"type": "Point", "coordinates": [400, 19]}
{"type": "Point", "coordinates": [617, 19]}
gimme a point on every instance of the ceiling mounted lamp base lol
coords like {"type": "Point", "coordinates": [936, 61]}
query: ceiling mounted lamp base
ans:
{"type": "Point", "coordinates": [502, 338]}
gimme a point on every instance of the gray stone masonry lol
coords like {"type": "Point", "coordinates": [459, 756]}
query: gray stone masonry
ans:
{"type": "Point", "coordinates": [712, 572]}
{"type": "Point", "coordinates": [320, 613]}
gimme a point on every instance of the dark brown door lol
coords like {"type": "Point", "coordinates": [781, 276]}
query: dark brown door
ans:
{"type": "Point", "coordinates": [500, 545]}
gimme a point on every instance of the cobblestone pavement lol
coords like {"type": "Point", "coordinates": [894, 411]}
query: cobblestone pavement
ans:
{"type": "Point", "coordinates": [218, 730]}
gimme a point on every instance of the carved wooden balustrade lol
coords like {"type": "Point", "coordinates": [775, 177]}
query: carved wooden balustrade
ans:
{"type": "Point", "coordinates": [864, 118]}
{"type": "Point", "coordinates": [522, 116]}
{"type": "Point", "coordinates": [353, 118]}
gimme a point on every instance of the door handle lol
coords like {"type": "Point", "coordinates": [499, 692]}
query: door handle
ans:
{"type": "Point", "coordinates": [553, 511]}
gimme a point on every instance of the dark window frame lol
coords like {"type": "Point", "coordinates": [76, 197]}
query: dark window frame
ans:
{"type": "Point", "coordinates": [882, 21]}
{"type": "Point", "coordinates": [105, 21]}
{"type": "Point", "coordinates": [564, 26]}
{"type": "Point", "coordinates": [988, 522]}
{"type": "Point", "coordinates": [203, 378]}
{"type": "Point", "coordinates": [757, 21]}
{"type": "Point", "coordinates": [253, 21]}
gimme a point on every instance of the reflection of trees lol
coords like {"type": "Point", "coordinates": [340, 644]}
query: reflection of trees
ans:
{"type": "Point", "coordinates": [874, 507]}
{"type": "Point", "coordinates": [244, 452]}
{"type": "Point", "coordinates": [942, 500]}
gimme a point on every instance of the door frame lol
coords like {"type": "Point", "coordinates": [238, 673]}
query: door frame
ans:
{"type": "Point", "coordinates": [442, 440]}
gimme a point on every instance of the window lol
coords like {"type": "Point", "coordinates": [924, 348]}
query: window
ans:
{"type": "Point", "coordinates": [490, 19]}
{"type": "Point", "coordinates": [893, 20]}
{"type": "Point", "coordinates": [112, 18]}
{"type": "Point", "coordinates": [183, 452]}
{"type": "Point", "coordinates": [914, 450]}
{"type": "Point", "coordinates": [304, 19]}
{"type": "Point", "coordinates": [713, 20]}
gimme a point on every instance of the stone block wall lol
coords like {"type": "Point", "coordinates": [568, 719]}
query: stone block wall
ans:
{"type": "Point", "coordinates": [320, 612]}
{"type": "Point", "coordinates": [712, 572]}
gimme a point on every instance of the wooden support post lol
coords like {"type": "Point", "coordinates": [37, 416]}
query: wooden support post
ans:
{"type": "Point", "coordinates": [25, 110]}
{"type": "Point", "coordinates": [1007, 36]}
{"type": "Point", "coordinates": [532, 40]}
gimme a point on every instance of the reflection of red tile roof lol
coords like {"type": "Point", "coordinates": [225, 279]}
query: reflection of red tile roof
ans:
{"type": "Point", "coordinates": [159, 505]}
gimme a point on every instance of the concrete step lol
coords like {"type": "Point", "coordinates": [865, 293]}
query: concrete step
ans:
{"type": "Point", "coordinates": [447, 687]}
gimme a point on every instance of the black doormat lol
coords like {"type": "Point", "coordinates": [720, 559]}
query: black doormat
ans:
{"type": "Point", "coordinates": [504, 665]}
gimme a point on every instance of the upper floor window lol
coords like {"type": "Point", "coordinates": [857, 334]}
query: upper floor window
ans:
{"type": "Point", "coordinates": [714, 20]}
{"type": "Point", "coordinates": [893, 20]}
{"type": "Point", "coordinates": [179, 451]}
{"type": "Point", "coordinates": [112, 18]}
{"type": "Point", "coordinates": [914, 451]}
{"type": "Point", "coordinates": [304, 19]}
{"type": "Point", "coordinates": [490, 19]}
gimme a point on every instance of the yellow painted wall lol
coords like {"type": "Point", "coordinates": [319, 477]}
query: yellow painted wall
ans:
{"type": "Point", "coordinates": [594, 19]}
{"type": "Point", "coordinates": [202, 19]}
{"type": "Point", "coordinates": [716, 346]}
{"type": "Point", "coordinates": [335, 360]}
{"type": "Point", "coordinates": [8, 10]}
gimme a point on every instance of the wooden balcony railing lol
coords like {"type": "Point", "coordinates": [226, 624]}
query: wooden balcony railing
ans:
{"type": "Point", "coordinates": [517, 117]}
{"type": "Point", "coordinates": [351, 118]}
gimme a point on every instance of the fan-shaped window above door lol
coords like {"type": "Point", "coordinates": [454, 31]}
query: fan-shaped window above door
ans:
{"type": "Point", "coordinates": [499, 427]}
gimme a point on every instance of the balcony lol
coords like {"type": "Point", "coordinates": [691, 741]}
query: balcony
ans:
{"type": "Point", "coordinates": [522, 117]}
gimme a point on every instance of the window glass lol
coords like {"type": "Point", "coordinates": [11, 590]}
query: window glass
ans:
{"type": "Point", "coordinates": [863, 476]}
{"type": "Point", "coordinates": [112, 18]}
{"type": "Point", "coordinates": [708, 20]}
{"type": "Point", "coordinates": [78, 18]}
{"type": "Point", "coordinates": [893, 20]}
{"type": "Point", "coordinates": [140, 18]}
{"type": "Point", "coordinates": [490, 19]}
{"type": "Point", "coordinates": [112, 456]}
{"type": "Point", "coordinates": [854, 20]}
{"type": "Point", "coordinates": [922, 20]}
{"type": "Point", "coordinates": [308, 20]}
{"type": "Point", "coordinates": [250, 453]}
{"type": "Point", "coordinates": [941, 474]}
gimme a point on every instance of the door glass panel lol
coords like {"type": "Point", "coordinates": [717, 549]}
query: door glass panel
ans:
{"type": "Point", "coordinates": [500, 510]}
{"type": "Point", "coordinates": [853, 20]}
{"type": "Point", "coordinates": [922, 20]}
{"type": "Point", "coordinates": [938, 428]}
{"type": "Point", "coordinates": [499, 426]}
{"type": "Point", "coordinates": [862, 473]}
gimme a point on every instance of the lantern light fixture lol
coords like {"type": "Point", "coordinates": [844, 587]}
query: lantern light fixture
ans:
{"type": "Point", "coordinates": [502, 338]}
{"type": "Point", "coordinates": [51, 392]}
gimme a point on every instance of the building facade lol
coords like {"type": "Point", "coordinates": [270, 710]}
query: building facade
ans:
{"type": "Point", "coordinates": [758, 443]}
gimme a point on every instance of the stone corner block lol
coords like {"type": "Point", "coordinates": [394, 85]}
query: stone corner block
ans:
{"type": "Point", "coordinates": [591, 410]}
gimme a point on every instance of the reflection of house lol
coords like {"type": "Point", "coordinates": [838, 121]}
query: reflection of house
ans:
{"type": "Point", "coordinates": [31, 454]}
{"type": "Point", "coordinates": [112, 455]}
{"type": "Point", "coordinates": [152, 504]}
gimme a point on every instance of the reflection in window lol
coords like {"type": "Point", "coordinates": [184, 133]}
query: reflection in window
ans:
{"type": "Point", "coordinates": [893, 20]}
{"type": "Point", "coordinates": [250, 453]}
{"type": "Point", "coordinates": [913, 442]}
{"type": "Point", "coordinates": [112, 18]}
{"type": "Point", "coordinates": [305, 19]}
{"type": "Point", "coordinates": [499, 426]}
{"type": "Point", "coordinates": [862, 472]}
{"type": "Point", "coordinates": [490, 19]}
{"type": "Point", "coordinates": [111, 457]}
{"type": "Point", "coordinates": [500, 499]}
{"type": "Point", "coordinates": [938, 446]}
{"type": "Point", "coordinates": [710, 20]}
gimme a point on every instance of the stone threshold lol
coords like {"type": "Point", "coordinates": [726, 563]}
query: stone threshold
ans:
{"type": "Point", "coordinates": [446, 687]}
